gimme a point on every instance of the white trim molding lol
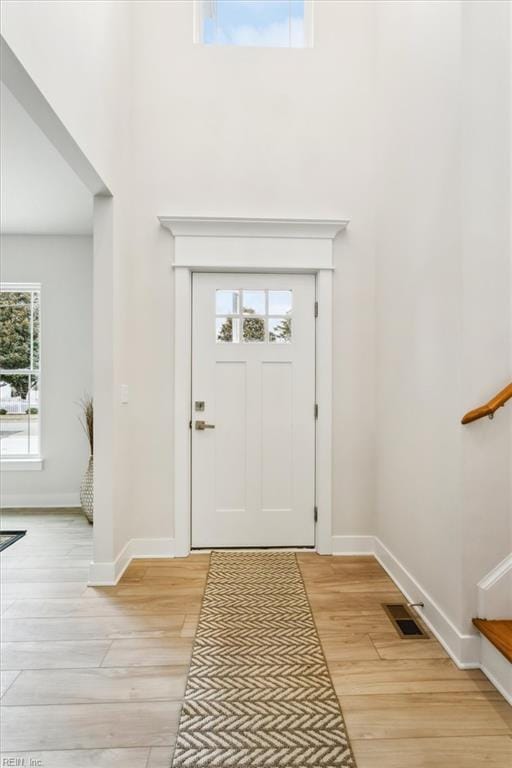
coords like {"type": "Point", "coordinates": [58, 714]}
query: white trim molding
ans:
{"type": "Point", "coordinates": [21, 464]}
{"type": "Point", "coordinates": [39, 500]}
{"type": "Point", "coordinates": [497, 573]}
{"type": "Point", "coordinates": [468, 651]}
{"type": "Point", "coordinates": [197, 226]}
{"type": "Point", "coordinates": [108, 574]}
{"type": "Point", "coordinates": [464, 649]}
{"type": "Point", "coordinates": [202, 244]}
{"type": "Point", "coordinates": [495, 591]}
{"type": "Point", "coordinates": [19, 287]}
{"type": "Point", "coordinates": [257, 245]}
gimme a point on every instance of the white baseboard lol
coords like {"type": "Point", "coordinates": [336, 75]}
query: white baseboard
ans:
{"type": "Point", "coordinates": [467, 651]}
{"type": "Point", "coordinates": [39, 500]}
{"type": "Point", "coordinates": [353, 545]}
{"type": "Point", "coordinates": [463, 649]}
{"type": "Point", "coordinates": [107, 574]}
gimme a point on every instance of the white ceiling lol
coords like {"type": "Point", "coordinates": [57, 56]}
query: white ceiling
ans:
{"type": "Point", "coordinates": [40, 193]}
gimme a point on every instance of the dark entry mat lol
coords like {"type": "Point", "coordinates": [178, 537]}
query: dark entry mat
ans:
{"type": "Point", "coordinates": [9, 537]}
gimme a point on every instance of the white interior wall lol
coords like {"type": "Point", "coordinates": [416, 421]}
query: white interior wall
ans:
{"type": "Point", "coordinates": [63, 267]}
{"type": "Point", "coordinates": [74, 53]}
{"type": "Point", "coordinates": [368, 124]}
{"type": "Point", "coordinates": [33, 177]}
{"type": "Point", "coordinates": [279, 133]}
{"type": "Point", "coordinates": [443, 302]}
{"type": "Point", "coordinates": [419, 292]}
{"type": "Point", "coordinates": [486, 343]}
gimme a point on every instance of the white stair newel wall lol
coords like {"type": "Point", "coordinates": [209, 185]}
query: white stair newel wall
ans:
{"type": "Point", "coordinates": [495, 592]}
{"type": "Point", "coordinates": [495, 602]}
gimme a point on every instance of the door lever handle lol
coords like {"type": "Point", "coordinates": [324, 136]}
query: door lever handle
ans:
{"type": "Point", "coordinates": [203, 425]}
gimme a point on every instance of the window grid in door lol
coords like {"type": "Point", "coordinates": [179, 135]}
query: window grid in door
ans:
{"type": "Point", "coordinates": [253, 316]}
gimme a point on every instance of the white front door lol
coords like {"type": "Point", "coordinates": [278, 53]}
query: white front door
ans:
{"type": "Point", "coordinates": [253, 410]}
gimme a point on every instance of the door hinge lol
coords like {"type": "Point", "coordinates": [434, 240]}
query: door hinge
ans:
{"type": "Point", "coordinates": [316, 514]}
{"type": "Point", "coordinates": [190, 425]}
{"type": "Point", "coordinates": [316, 308]}
{"type": "Point", "coordinates": [316, 410]}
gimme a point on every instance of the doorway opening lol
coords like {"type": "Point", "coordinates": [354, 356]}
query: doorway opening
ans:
{"type": "Point", "coordinates": [265, 247]}
{"type": "Point", "coordinates": [87, 231]}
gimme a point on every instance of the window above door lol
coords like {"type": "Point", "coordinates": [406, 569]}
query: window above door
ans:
{"type": "Point", "coordinates": [254, 23]}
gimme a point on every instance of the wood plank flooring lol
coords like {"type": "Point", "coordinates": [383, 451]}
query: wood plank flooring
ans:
{"type": "Point", "coordinates": [405, 702]}
{"type": "Point", "coordinates": [94, 677]}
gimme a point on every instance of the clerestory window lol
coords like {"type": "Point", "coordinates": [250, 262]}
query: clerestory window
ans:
{"type": "Point", "coordinates": [254, 23]}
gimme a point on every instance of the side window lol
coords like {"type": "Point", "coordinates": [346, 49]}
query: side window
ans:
{"type": "Point", "coordinates": [20, 370]}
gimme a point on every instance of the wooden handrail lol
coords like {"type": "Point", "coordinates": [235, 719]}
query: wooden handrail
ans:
{"type": "Point", "coordinates": [489, 408]}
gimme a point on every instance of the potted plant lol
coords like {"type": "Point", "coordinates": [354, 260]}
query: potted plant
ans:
{"type": "Point", "coordinates": [87, 486]}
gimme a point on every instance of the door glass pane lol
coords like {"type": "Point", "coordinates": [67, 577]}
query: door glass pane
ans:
{"type": "Point", "coordinates": [227, 302]}
{"type": "Point", "coordinates": [254, 303]}
{"type": "Point", "coordinates": [280, 329]}
{"type": "Point", "coordinates": [253, 315]}
{"type": "Point", "coordinates": [227, 329]}
{"type": "Point", "coordinates": [279, 302]}
{"type": "Point", "coordinates": [254, 329]}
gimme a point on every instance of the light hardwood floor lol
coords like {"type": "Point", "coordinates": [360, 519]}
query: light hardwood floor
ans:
{"type": "Point", "coordinates": [94, 677]}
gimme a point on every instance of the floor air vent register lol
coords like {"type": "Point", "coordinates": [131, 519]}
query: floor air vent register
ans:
{"type": "Point", "coordinates": [404, 622]}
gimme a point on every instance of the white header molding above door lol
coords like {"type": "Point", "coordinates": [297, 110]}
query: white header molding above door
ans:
{"type": "Point", "coordinates": [194, 226]}
{"type": "Point", "coordinates": [252, 245]}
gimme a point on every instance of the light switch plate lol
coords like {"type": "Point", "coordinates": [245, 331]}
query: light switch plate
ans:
{"type": "Point", "coordinates": [124, 394]}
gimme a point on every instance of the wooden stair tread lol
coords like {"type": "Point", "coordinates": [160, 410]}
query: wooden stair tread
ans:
{"type": "Point", "coordinates": [498, 632]}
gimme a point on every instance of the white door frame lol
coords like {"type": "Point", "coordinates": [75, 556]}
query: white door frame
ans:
{"type": "Point", "coordinates": [251, 245]}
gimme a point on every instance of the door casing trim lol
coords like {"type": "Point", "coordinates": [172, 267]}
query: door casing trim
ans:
{"type": "Point", "coordinates": [261, 246]}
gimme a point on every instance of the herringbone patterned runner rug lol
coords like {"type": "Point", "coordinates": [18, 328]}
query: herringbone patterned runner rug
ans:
{"type": "Point", "coordinates": [259, 693]}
